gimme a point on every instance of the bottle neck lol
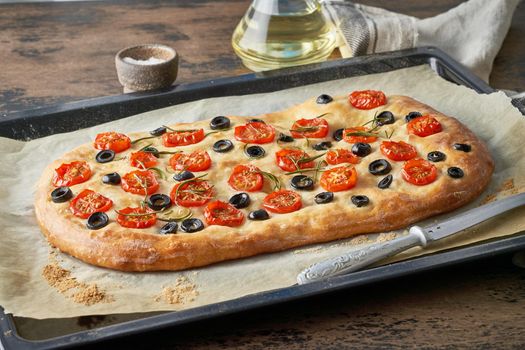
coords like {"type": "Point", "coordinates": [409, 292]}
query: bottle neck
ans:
{"type": "Point", "coordinates": [285, 7]}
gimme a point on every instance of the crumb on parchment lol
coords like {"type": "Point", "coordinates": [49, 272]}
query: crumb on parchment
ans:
{"type": "Point", "coordinates": [67, 285]}
{"type": "Point", "coordinates": [181, 292]}
{"type": "Point", "coordinates": [506, 186]}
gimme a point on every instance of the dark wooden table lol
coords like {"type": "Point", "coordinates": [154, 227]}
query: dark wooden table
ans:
{"type": "Point", "coordinates": [59, 52]}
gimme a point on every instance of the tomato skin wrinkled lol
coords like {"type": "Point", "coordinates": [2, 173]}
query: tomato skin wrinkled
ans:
{"type": "Point", "coordinates": [419, 172]}
{"type": "Point", "coordinates": [367, 99]}
{"type": "Point", "coordinates": [114, 141]}
{"type": "Point", "coordinates": [182, 138]}
{"type": "Point", "coordinates": [282, 201]}
{"type": "Point", "coordinates": [424, 126]}
{"type": "Point", "coordinates": [69, 174]}
{"type": "Point", "coordinates": [223, 214]}
{"type": "Point", "coordinates": [148, 183]}
{"type": "Point", "coordinates": [398, 150]}
{"type": "Point", "coordinates": [315, 128]}
{"type": "Point", "coordinates": [338, 179]}
{"type": "Point", "coordinates": [88, 202]}
{"type": "Point", "coordinates": [140, 221]}
{"type": "Point", "coordinates": [246, 178]}
{"type": "Point", "coordinates": [255, 132]}
{"type": "Point", "coordinates": [292, 159]}
{"type": "Point", "coordinates": [356, 138]}
{"type": "Point", "coordinates": [195, 161]}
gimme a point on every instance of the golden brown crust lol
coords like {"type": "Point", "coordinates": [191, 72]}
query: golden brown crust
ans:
{"type": "Point", "coordinates": [393, 208]}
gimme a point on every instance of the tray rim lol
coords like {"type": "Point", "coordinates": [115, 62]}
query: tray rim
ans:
{"type": "Point", "coordinates": [170, 319]}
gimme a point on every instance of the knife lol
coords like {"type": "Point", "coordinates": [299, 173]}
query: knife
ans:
{"type": "Point", "coordinates": [417, 236]}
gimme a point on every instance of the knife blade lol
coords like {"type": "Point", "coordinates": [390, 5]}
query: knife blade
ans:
{"type": "Point", "coordinates": [417, 236]}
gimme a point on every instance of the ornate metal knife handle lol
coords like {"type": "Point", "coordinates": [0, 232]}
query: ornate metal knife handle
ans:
{"type": "Point", "coordinates": [358, 259]}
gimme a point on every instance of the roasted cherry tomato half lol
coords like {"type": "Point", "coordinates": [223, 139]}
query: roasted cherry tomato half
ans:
{"type": "Point", "coordinates": [292, 159]}
{"type": "Point", "coordinates": [282, 201]}
{"type": "Point", "coordinates": [339, 179]}
{"type": "Point", "coordinates": [195, 161]}
{"type": "Point", "coordinates": [367, 99]}
{"type": "Point", "coordinates": [139, 217]}
{"type": "Point", "coordinates": [87, 202]}
{"type": "Point", "coordinates": [419, 172]}
{"type": "Point", "coordinates": [140, 182]}
{"type": "Point", "coordinates": [73, 173]}
{"type": "Point", "coordinates": [398, 150]}
{"type": "Point", "coordinates": [142, 160]}
{"type": "Point", "coordinates": [424, 126]}
{"type": "Point", "coordinates": [357, 138]}
{"type": "Point", "coordinates": [182, 137]}
{"type": "Point", "coordinates": [338, 156]}
{"type": "Point", "coordinates": [246, 178]}
{"type": "Point", "coordinates": [223, 214]}
{"type": "Point", "coordinates": [114, 141]}
{"type": "Point", "coordinates": [255, 132]}
{"type": "Point", "coordinates": [192, 193]}
{"type": "Point", "coordinates": [315, 128]}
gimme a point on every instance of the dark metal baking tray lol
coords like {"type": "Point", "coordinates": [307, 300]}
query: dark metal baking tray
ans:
{"type": "Point", "coordinates": [31, 124]}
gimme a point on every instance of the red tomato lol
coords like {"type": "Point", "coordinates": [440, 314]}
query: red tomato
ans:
{"type": "Point", "coordinates": [195, 161]}
{"type": "Point", "coordinates": [192, 194]}
{"type": "Point", "coordinates": [112, 140]}
{"type": "Point", "coordinates": [367, 99]}
{"type": "Point", "coordinates": [338, 156]}
{"type": "Point", "coordinates": [140, 182]}
{"type": "Point", "coordinates": [88, 202]}
{"type": "Point", "coordinates": [183, 137]}
{"type": "Point", "coordinates": [254, 132]}
{"type": "Point", "coordinates": [72, 173]}
{"type": "Point", "coordinates": [282, 201]}
{"type": "Point", "coordinates": [223, 214]}
{"type": "Point", "coordinates": [398, 150]}
{"type": "Point", "coordinates": [424, 126]}
{"type": "Point", "coordinates": [140, 217]}
{"type": "Point", "coordinates": [419, 172]}
{"type": "Point", "coordinates": [355, 139]}
{"type": "Point", "coordinates": [339, 179]}
{"type": "Point", "coordinates": [315, 128]}
{"type": "Point", "coordinates": [246, 178]}
{"type": "Point", "coordinates": [142, 160]}
{"type": "Point", "coordinates": [292, 159]}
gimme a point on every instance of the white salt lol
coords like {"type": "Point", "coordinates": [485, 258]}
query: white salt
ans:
{"type": "Point", "coordinates": [151, 60]}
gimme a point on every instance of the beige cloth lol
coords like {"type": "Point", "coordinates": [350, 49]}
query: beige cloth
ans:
{"type": "Point", "coordinates": [25, 252]}
{"type": "Point", "coordinates": [472, 32]}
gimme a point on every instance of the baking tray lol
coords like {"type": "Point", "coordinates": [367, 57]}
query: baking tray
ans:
{"type": "Point", "coordinates": [32, 124]}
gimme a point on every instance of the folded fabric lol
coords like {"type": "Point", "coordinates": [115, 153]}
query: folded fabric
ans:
{"type": "Point", "coordinates": [472, 32]}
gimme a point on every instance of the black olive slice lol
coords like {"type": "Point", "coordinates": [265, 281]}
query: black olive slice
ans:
{"type": "Point", "coordinates": [324, 99]}
{"type": "Point", "coordinates": [158, 131]}
{"type": "Point", "coordinates": [285, 138]}
{"type": "Point", "coordinates": [97, 220]}
{"type": "Point", "coordinates": [158, 201]}
{"type": "Point", "coordinates": [151, 150]}
{"type": "Point", "coordinates": [379, 167]}
{"type": "Point", "coordinates": [302, 182]}
{"type": "Point", "coordinates": [462, 147]}
{"type": "Point", "coordinates": [324, 197]}
{"type": "Point", "coordinates": [183, 175]}
{"type": "Point", "coordinates": [322, 146]}
{"type": "Point", "coordinates": [412, 115]}
{"type": "Point", "coordinates": [259, 214]}
{"type": "Point", "coordinates": [222, 146]}
{"type": "Point", "coordinates": [385, 182]}
{"type": "Point", "coordinates": [170, 227]}
{"type": "Point", "coordinates": [455, 172]}
{"type": "Point", "coordinates": [220, 122]}
{"type": "Point", "coordinates": [361, 149]}
{"type": "Point", "coordinates": [61, 194]}
{"type": "Point", "coordinates": [111, 179]}
{"type": "Point", "coordinates": [240, 200]}
{"type": "Point", "coordinates": [436, 156]}
{"type": "Point", "coordinates": [105, 156]}
{"type": "Point", "coordinates": [338, 134]}
{"type": "Point", "coordinates": [360, 201]}
{"type": "Point", "coordinates": [385, 117]}
{"type": "Point", "coordinates": [255, 151]}
{"type": "Point", "coordinates": [191, 225]}
{"type": "Point", "coordinates": [255, 120]}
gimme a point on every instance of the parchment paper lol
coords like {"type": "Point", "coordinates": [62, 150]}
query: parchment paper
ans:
{"type": "Point", "coordinates": [24, 251]}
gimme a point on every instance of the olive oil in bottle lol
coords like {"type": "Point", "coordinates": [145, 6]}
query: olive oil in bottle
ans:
{"type": "Point", "coordinates": [282, 33]}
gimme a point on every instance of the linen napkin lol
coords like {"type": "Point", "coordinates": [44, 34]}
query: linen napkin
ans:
{"type": "Point", "coordinates": [472, 32]}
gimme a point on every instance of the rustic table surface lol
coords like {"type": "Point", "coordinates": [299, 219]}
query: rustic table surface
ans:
{"type": "Point", "coordinates": [60, 52]}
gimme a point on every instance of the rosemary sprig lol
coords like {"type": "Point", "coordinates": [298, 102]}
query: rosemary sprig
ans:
{"type": "Point", "coordinates": [391, 133]}
{"type": "Point", "coordinates": [182, 130]}
{"type": "Point", "coordinates": [184, 213]}
{"type": "Point", "coordinates": [301, 171]}
{"type": "Point", "coordinates": [362, 133]}
{"type": "Point", "coordinates": [309, 159]}
{"type": "Point", "coordinates": [273, 178]}
{"type": "Point", "coordinates": [185, 182]}
{"type": "Point", "coordinates": [158, 171]}
{"type": "Point", "coordinates": [320, 164]}
{"type": "Point", "coordinates": [214, 132]}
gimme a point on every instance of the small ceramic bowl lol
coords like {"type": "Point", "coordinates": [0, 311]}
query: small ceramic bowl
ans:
{"type": "Point", "coordinates": [146, 67]}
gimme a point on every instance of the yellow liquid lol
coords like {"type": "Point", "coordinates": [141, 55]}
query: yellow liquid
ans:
{"type": "Point", "coordinates": [267, 40]}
